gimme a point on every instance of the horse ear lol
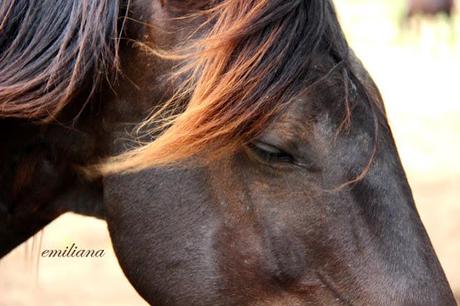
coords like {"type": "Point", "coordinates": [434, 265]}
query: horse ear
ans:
{"type": "Point", "coordinates": [50, 50]}
{"type": "Point", "coordinates": [365, 79]}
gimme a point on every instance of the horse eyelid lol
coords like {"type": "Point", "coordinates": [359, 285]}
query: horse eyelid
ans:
{"type": "Point", "coordinates": [271, 153]}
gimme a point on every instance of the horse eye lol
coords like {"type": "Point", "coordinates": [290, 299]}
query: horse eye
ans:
{"type": "Point", "coordinates": [270, 153]}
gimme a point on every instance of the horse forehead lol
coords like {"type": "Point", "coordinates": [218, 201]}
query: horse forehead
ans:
{"type": "Point", "coordinates": [297, 121]}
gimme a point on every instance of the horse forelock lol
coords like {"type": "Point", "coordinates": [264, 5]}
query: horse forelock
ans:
{"type": "Point", "coordinates": [49, 51]}
{"type": "Point", "coordinates": [254, 58]}
{"type": "Point", "coordinates": [248, 61]}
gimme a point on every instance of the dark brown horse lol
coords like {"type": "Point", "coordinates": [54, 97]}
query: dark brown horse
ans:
{"type": "Point", "coordinates": [267, 173]}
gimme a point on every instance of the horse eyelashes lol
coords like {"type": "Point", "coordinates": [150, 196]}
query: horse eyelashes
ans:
{"type": "Point", "coordinates": [271, 154]}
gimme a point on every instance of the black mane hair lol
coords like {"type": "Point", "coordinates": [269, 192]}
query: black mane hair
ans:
{"type": "Point", "coordinates": [50, 50]}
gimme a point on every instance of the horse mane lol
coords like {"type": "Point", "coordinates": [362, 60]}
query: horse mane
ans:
{"type": "Point", "coordinates": [251, 62]}
{"type": "Point", "coordinates": [50, 50]}
{"type": "Point", "coordinates": [240, 69]}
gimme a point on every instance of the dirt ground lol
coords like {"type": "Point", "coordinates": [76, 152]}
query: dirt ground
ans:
{"type": "Point", "coordinates": [418, 74]}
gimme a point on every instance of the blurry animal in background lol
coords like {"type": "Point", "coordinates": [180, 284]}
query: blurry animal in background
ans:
{"type": "Point", "coordinates": [427, 8]}
{"type": "Point", "coordinates": [430, 8]}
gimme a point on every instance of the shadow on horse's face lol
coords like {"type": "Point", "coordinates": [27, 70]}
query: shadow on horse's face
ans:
{"type": "Point", "coordinates": [276, 223]}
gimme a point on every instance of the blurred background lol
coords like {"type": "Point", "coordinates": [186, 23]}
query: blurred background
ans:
{"type": "Point", "coordinates": [417, 68]}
